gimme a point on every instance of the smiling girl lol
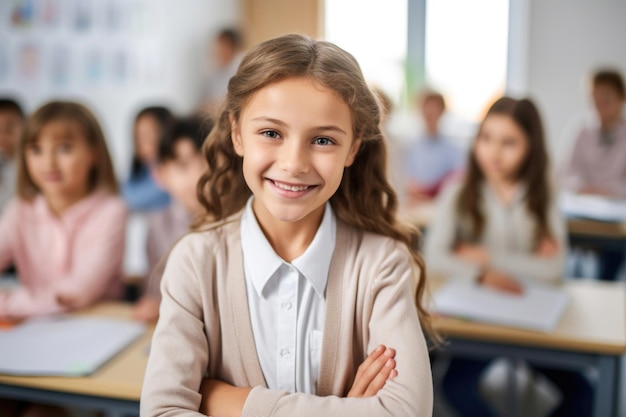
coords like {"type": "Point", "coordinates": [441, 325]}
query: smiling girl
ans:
{"type": "Point", "coordinates": [272, 309]}
{"type": "Point", "coordinates": [65, 230]}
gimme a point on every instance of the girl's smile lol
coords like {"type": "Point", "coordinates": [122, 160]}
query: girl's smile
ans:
{"type": "Point", "coordinates": [290, 190]}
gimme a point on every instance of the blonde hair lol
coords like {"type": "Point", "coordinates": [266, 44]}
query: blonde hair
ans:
{"type": "Point", "coordinates": [101, 177]}
{"type": "Point", "coordinates": [364, 199]}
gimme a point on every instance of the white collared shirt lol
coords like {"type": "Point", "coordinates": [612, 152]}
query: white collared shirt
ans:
{"type": "Point", "coordinates": [287, 303]}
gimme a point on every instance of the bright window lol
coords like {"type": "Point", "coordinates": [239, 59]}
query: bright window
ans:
{"type": "Point", "coordinates": [466, 52]}
{"type": "Point", "coordinates": [375, 32]}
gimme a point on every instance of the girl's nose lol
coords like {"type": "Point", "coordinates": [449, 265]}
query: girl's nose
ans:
{"type": "Point", "coordinates": [49, 160]}
{"type": "Point", "coordinates": [294, 157]}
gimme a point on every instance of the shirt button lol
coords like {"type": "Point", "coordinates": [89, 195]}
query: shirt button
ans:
{"type": "Point", "coordinates": [292, 268]}
{"type": "Point", "coordinates": [285, 353]}
{"type": "Point", "coordinates": [286, 305]}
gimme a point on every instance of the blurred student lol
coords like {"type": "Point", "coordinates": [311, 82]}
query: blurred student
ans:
{"type": "Point", "coordinates": [598, 161]}
{"type": "Point", "coordinates": [65, 229]}
{"type": "Point", "coordinates": [433, 158]}
{"type": "Point", "coordinates": [179, 167]}
{"type": "Point", "coordinates": [226, 55]}
{"type": "Point", "coordinates": [140, 191]}
{"type": "Point", "coordinates": [501, 228]}
{"type": "Point", "coordinates": [11, 129]}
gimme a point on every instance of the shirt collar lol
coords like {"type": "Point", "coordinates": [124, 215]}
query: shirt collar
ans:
{"type": "Point", "coordinates": [518, 197]}
{"type": "Point", "coordinates": [261, 261]}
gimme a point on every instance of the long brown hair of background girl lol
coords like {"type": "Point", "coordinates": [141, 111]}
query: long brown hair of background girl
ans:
{"type": "Point", "coordinates": [533, 171]}
{"type": "Point", "coordinates": [365, 199]}
{"type": "Point", "coordinates": [101, 177]}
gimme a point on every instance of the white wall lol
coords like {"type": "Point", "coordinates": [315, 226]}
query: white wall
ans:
{"type": "Point", "coordinates": [169, 61]}
{"type": "Point", "coordinates": [568, 39]}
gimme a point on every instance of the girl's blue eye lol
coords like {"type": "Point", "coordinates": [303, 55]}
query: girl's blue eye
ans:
{"type": "Point", "coordinates": [323, 141]}
{"type": "Point", "coordinates": [65, 147]}
{"type": "Point", "coordinates": [270, 134]}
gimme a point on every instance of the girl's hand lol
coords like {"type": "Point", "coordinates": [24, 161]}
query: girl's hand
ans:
{"type": "Point", "coordinates": [147, 309]}
{"type": "Point", "coordinates": [372, 374]}
{"type": "Point", "coordinates": [473, 253]}
{"type": "Point", "coordinates": [593, 190]}
{"type": "Point", "coordinates": [501, 282]}
{"type": "Point", "coordinates": [547, 248]}
{"type": "Point", "coordinates": [220, 399]}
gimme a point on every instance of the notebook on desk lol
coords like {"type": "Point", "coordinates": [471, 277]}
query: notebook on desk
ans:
{"type": "Point", "coordinates": [539, 308]}
{"type": "Point", "coordinates": [64, 346]}
{"type": "Point", "coordinates": [593, 207]}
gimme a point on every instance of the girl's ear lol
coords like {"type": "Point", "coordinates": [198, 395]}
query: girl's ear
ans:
{"type": "Point", "coordinates": [354, 149]}
{"type": "Point", "coordinates": [235, 135]}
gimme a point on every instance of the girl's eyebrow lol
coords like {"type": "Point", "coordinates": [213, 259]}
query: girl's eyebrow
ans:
{"type": "Point", "coordinates": [269, 119]}
{"type": "Point", "coordinates": [334, 128]}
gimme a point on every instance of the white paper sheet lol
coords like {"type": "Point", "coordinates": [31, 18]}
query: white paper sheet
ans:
{"type": "Point", "coordinates": [539, 308]}
{"type": "Point", "coordinates": [66, 346]}
{"type": "Point", "coordinates": [594, 207]}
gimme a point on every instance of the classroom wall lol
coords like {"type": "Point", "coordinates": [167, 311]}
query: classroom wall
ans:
{"type": "Point", "coordinates": [566, 40]}
{"type": "Point", "coordinates": [266, 19]}
{"type": "Point", "coordinates": [164, 47]}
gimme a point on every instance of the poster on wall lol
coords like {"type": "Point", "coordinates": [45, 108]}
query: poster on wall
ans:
{"type": "Point", "coordinates": [67, 45]}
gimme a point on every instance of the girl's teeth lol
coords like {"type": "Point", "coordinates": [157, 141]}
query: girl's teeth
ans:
{"type": "Point", "coordinates": [291, 187]}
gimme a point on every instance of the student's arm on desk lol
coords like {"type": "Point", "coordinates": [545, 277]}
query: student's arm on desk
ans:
{"type": "Point", "coordinates": [547, 268]}
{"type": "Point", "coordinates": [617, 187]}
{"type": "Point", "coordinates": [440, 240]}
{"type": "Point", "coordinates": [101, 247]}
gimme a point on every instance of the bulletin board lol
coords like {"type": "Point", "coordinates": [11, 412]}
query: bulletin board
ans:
{"type": "Point", "coordinates": [58, 47]}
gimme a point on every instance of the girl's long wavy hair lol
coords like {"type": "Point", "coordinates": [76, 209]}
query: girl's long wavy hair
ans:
{"type": "Point", "coordinates": [533, 172]}
{"type": "Point", "coordinates": [365, 199]}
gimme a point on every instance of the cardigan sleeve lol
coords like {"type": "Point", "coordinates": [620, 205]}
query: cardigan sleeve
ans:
{"type": "Point", "coordinates": [391, 319]}
{"type": "Point", "coordinates": [440, 240]}
{"type": "Point", "coordinates": [531, 268]}
{"type": "Point", "coordinates": [179, 350]}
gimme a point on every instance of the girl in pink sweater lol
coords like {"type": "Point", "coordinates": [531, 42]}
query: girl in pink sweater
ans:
{"type": "Point", "coordinates": [65, 229]}
{"type": "Point", "coordinates": [297, 297]}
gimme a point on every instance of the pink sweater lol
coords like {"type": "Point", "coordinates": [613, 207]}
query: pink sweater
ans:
{"type": "Point", "coordinates": [79, 253]}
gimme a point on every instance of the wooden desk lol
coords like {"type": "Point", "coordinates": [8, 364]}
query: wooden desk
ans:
{"type": "Point", "coordinates": [591, 334]}
{"type": "Point", "coordinates": [114, 388]}
{"type": "Point", "coordinates": [594, 228]}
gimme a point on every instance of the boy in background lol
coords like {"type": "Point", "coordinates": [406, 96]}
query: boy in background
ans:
{"type": "Point", "coordinates": [11, 128]}
{"type": "Point", "coordinates": [433, 158]}
{"type": "Point", "coordinates": [179, 167]}
{"type": "Point", "coordinates": [598, 162]}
